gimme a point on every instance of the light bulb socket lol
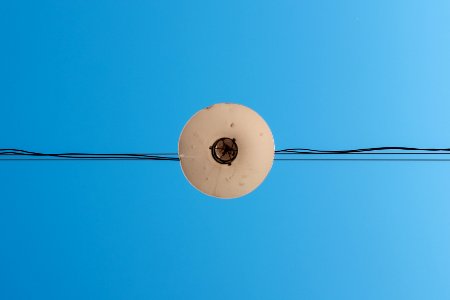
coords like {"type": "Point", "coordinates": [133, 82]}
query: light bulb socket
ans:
{"type": "Point", "coordinates": [224, 150]}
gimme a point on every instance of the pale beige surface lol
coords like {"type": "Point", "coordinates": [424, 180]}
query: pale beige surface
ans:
{"type": "Point", "coordinates": [254, 159]}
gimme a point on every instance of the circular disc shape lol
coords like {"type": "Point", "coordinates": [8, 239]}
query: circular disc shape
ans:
{"type": "Point", "coordinates": [226, 150]}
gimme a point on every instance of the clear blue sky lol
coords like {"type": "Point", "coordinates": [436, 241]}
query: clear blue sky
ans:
{"type": "Point", "coordinates": [124, 76]}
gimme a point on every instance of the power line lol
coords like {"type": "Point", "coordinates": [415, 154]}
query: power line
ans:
{"type": "Point", "coordinates": [376, 150]}
{"type": "Point", "coordinates": [293, 154]}
{"type": "Point", "coordinates": [362, 159]}
{"type": "Point", "coordinates": [18, 154]}
{"type": "Point", "coordinates": [288, 154]}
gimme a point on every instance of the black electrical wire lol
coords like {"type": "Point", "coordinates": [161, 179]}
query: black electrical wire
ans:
{"type": "Point", "coordinates": [363, 159]}
{"type": "Point", "coordinates": [18, 154]}
{"type": "Point", "coordinates": [376, 150]}
{"type": "Point", "coordinates": [292, 154]}
{"type": "Point", "coordinates": [289, 154]}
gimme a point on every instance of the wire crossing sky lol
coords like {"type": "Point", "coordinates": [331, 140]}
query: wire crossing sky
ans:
{"type": "Point", "coordinates": [288, 154]}
{"type": "Point", "coordinates": [18, 154]}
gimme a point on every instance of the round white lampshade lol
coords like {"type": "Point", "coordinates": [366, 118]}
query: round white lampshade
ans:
{"type": "Point", "coordinates": [226, 150]}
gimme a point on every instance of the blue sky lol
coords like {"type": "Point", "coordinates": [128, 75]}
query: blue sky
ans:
{"type": "Point", "coordinates": [125, 76]}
